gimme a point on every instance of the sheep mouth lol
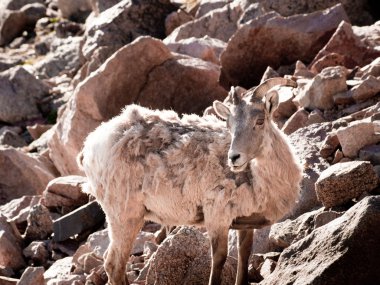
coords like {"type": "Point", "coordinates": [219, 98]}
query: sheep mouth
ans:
{"type": "Point", "coordinates": [238, 168]}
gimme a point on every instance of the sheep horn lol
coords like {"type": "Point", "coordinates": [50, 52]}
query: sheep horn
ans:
{"type": "Point", "coordinates": [263, 88]}
{"type": "Point", "coordinates": [235, 96]}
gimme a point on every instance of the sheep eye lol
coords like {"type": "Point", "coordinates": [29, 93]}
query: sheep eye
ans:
{"type": "Point", "coordinates": [259, 121]}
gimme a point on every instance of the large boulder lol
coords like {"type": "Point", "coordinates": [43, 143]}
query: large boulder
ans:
{"type": "Point", "coordinates": [275, 41]}
{"type": "Point", "coordinates": [124, 22]}
{"type": "Point", "coordinates": [150, 75]}
{"type": "Point", "coordinates": [174, 263]}
{"type": "Point", "coordinates": [219, 24]}
{"type": "Point", "coordinates": [19, 95]}
{"type": "Point", "coordinates": [358, 11]}
{"type": "Point", "coordinates": [345, 181]}
{"type": "Point", "coordinates": [351, 48]}
{"type": "Point", "coordinates": [329, 254]}
{"type": "Point", "coordinates": [23, 174]}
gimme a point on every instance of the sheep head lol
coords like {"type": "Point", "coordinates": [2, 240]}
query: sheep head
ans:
{"type": "Point", "coordinates": [248, 120]}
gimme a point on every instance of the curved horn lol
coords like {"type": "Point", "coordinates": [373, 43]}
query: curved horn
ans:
{"type": "Point", "coordinates": [235, 96]}
{"type": "Point", "coordinates": [263, 88]}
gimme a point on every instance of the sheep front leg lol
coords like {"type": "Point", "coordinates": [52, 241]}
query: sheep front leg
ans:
{"type": "Point", "coordinates": [219, 248]}
{"type": "Point", "coordinates": [122, 236]}
{"type": "Point", "coordinates": [245, 239]}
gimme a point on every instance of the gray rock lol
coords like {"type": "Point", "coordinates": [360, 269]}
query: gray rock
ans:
{"type": "Point", "coordinates": [329, 254]}
{"type": "Point", "coordinates": [19, 94]}
{"type": "Point", "coordinates": [11, 138]}
{"type": "Point", "coordinates": [285, 233]}
{"type": "Point", "coordinates": [12, 23]}
{"type": "Point", "coordinates": [251, 50]}
{"type": "Point", "coordinates": [370, 153]}
{"type": "Point", "coordinates": [17, 4]}
{"type": "Point", "coordinates": [33, 12]}
{"type": "Point", "coordinates": [357, 10]}
{"type": "Point", "coordinates": [40, 223]}
{"type": "Point", "coordinates": [17, 16]}
{"type": "Point", "coordinates": [77, 10]}
{"type": "Point", "coordinates": [65, 57]}
{"type": "Point", "coordinates": [84, 218]}
{"type": "Point", "coordinates": [174, 263]}
{"type": "Point", "coordinates": [306, 143]}
{"type": "Point", "coordinates": [343, 182]}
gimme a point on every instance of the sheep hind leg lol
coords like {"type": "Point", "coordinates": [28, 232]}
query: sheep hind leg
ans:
{"type": "Point", "coordinates": [245, 239]}
{"type": "Point", "coordinates": [219, 249]}
{"type": "Point", "coordinates": [122, 236]}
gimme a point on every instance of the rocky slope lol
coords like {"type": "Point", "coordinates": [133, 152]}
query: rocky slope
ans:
{"type": "Point", "coordinates": [66, 66]}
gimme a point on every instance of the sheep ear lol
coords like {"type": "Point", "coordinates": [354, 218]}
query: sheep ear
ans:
{"type": "Point", "coordinates": [271, 101]}
{"type": "Point", "coordinates": [221, 109]}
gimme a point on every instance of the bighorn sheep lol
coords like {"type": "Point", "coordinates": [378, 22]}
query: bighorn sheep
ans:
{"type": "Point", "coordinates": [151, 165]}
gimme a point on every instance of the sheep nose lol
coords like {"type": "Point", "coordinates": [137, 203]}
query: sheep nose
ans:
{"type": "Point", "coordinates": [234, 157]}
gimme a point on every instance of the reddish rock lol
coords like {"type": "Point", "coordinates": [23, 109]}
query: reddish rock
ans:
{"type": "Point", "coordinates": [330, 252]}
{"type": "Point", "coordinates": [151, 76]}
{"type": "Point", "coordinates": [329, 145]}
{"type": "Point", "coordinates": [37, 252]}
{"type": "Point", "coordinates": [297, 120]}
{"type": "Point", "coordinates": [205, 48]}
{"type": "Point", "coordinates": [319, 92]}
{"type": "Point", "coordinates": [32, 275]}
{"type": "Point", "coordinates": [23, 174]}
{"type": "Point", "coordinates": [219, 24]}
{"type": "Point", "coordinates": [20, 91]}
{"type": "Point", "coordinates": [37, 130]}
{"type": "Point", "coordinates": [345, 181]}
{"type": "Point", "coordinates": [10, 247]}
{"type": "Point", "coordinates": [275, 41]}
{"type": "Point", "coordinates": [302, 71]}
{"type": "Point", "coordinates": [176, 19]}
{"type": "Point", "coordinates": [65, 191]}
{"type": "Point", "coordinates": [357, 135]}
{"type": "Point", "coordinates": [367, 89]}
{"type": "Point", "coordinates": [345, 43]}
{"type": "Point", "coordinates": [330, 59]}
{"type": "Point", "coordinates": [17, 210]}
